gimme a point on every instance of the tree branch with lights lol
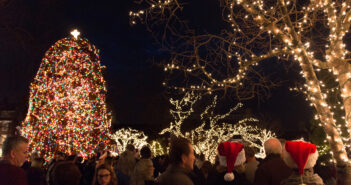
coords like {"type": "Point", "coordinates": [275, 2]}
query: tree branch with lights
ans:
{"type": "Point", "coordinates": [211, 131]}
{"type": "Point", "coordinates": [126, 136]}
{"type": "Point", "coordinates": [311, 33]}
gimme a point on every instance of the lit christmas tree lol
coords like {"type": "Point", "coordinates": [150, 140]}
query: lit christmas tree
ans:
{"type": "Point", "coordinates": [67, 110]}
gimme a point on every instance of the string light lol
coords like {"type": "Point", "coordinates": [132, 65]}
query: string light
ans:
{"type": "Point", "coordinates": [157, 149]}
{"type": "Point", "coordinates": [154, 6]}
{"type": "Point", "coordinates": [67, 110]}
{"type": "Point", "coordinates": [287, 39]}
{"type": "Point", "coordinates": [126, 136]}
{"type": "Point", "coordinates": [210, 133]}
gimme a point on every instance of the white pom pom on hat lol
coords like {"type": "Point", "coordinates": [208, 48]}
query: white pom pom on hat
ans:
{"type": "Point", "coordinates": [229, 176]}
{"type": "Point", "coordinates": [231, 154]}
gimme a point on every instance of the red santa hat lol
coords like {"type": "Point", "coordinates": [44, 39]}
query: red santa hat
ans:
{"type": "Point", "coordinates": [231, 154]}
{"type": "Point", "coordinates": [300, 155]}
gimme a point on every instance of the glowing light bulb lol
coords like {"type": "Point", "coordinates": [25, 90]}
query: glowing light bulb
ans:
{"type": "Point", "coordinates": [75, 33]}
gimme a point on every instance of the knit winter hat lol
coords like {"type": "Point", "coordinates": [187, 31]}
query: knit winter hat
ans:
{"type": "Point", "coordinates": [300, 155]}
{"type": "Point", "coordinates": [230, 154]}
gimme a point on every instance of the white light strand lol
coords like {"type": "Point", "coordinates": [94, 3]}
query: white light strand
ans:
{"type": "Point", "coordinates": [126, 136]}
{"type": "Point", "coordinates": [289, 40]}
{"type": "Point", "coordinates": [210, 133]}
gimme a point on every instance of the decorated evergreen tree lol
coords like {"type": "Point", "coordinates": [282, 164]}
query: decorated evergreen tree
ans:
{"type": "Point", "coordinates": [67, 110]}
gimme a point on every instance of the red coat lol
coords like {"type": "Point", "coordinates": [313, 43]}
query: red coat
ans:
{"type": "Point", "coordinates": [12, 175]}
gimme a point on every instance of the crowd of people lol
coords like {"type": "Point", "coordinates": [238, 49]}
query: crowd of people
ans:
{"type": "Point", "coordinates": [286, 163]}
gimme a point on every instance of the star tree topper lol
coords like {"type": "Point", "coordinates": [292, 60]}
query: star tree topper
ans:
{"type": "Point", "coordinates": [75, 33]}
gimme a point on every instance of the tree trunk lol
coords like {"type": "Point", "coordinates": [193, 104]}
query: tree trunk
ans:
{"type": "Point", "coordinates": [343, 69]}
{"type": "Point", "coordinates": [326, 117]}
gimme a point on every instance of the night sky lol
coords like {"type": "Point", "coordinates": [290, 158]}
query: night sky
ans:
{"type": "Point", "coordinates": [135, 94]}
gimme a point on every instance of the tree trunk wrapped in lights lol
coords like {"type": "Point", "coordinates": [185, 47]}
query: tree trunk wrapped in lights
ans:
{"type": "Point", "coordinates": [313, 33]}
{"type": "Point", "coordinates": [67, 110]}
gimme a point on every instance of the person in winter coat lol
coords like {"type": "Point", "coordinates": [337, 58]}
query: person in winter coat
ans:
{"type": "Point", "coordinates": [66, 173]}
{"type": "Point", "coordinates": [301, 157]}
{"type": "Point", "coordinates": [182, 160]}
{"type": "Point", "coordinates": [272, 170]}
{"type": "Point", "coordinates": [160, 164]}
{"type": "Point", "coordinates": [125, 165]}
{"type": "Point", "coordinates": [251, 164]}
{"type": "Point", "coordinates": [231, 168]}
{"type": "Point", "coordinates": [59, 156]}
{"type": "Point", "coordinates": [14, 153]}
{"type": "Point", "coordinates": [143, 173]}
{"type": "Point", "coordinates": [36, 173]}
{"type": "Point", "coordinates": [144, 169]}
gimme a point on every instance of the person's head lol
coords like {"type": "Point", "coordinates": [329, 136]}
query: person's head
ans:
{"type": "Point", "coordinates": [199, 160]}
{"type": "Point", "coordinates": [79, 159]}
{"type": "Point", "coordinates": [249, 153]}
{"type": "Point", "coordinates": [104, 175]}
{"type": "Point", "coordinates": [109, 161]}
{"type": "Point", "coordinates": [136, 154]}
{"type": "Point", "coordinates": [202, 157]}
{"type": "Point", "coordinates": [15, 150]}
{"type": "Point", "coordinates": [71, 158]}
{"type": "Point", "coordinates": [33, 156]}
{"type": "Point", "coordinates": [206, 167]}
{"type": "Point", "coordinates": [145, 152]}
{"type": "Point", "coordinates": [38, 162]}
{"type": "Point", "coordinates": [232, 156]}
{"type": "Point", "coordinates": [182, 153]}
{"type": "Point", "coordinates": [300, 155]}
{"type": "Point", "coordinates": [272, 146]}
{"type": "Point", "coordinates": [161, 159]}
{"type": "Point", "coordinates": [237, 139]}
{"type": "Point", "coordinates": [59, 156]}
{"type": "Point", "coordinates": [66, 173]}
{"type": "Point", "coordinates": [130, 147]}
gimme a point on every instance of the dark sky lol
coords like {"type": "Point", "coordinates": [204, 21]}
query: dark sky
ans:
{"type": "Point", "coordinates": [135, 93]}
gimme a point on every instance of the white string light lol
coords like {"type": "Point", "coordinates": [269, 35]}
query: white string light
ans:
{"type": "Point", "coordinates": [126, 136]}
{"type": "Point", "coordinates": [289, 39]}
{"type": "Point", "coordinates": [210, 133]}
